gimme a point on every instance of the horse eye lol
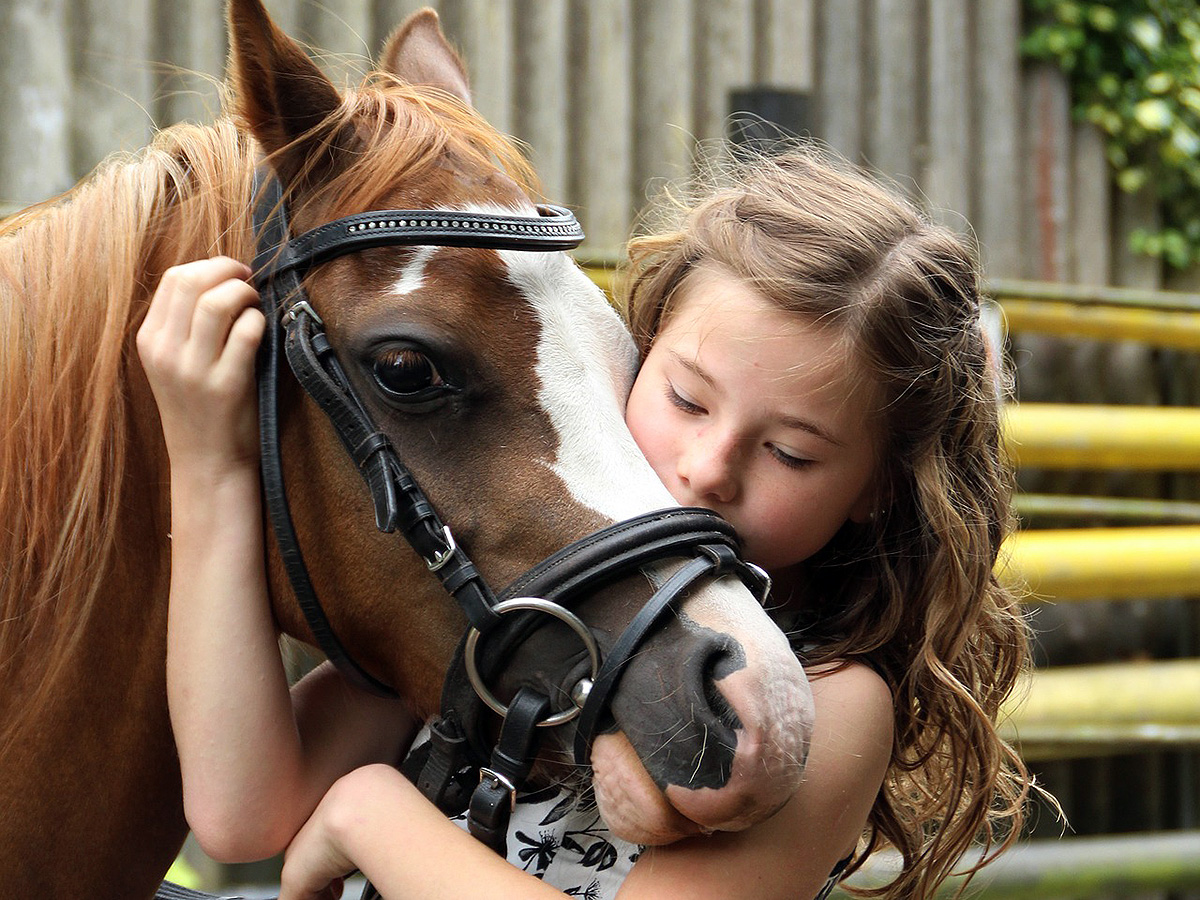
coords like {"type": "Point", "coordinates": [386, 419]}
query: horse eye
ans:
{"type": "Point", "coordinates": [406, 374]}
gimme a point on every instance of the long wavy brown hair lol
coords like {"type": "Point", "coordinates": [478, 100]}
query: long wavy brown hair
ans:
{"type": "Point", "coordinates": [912, 593]}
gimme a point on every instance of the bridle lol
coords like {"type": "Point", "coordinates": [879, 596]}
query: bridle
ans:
{"type": "Point", "coordinates": [497, 622]}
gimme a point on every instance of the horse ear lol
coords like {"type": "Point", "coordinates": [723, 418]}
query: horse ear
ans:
{"type": "Point", "coordinates": [280, 92]}
{"type": "Point", "coordinates": [418, 52]}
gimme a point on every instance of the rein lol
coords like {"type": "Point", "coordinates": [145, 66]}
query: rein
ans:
{"type": "Point", "coordinates": [497, 622]}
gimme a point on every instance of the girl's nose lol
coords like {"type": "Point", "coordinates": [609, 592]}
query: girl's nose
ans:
{"type": "Point", "coordinates": [707, 466]}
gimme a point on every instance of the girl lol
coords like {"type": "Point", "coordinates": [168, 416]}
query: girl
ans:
{"type": "Point", "coordinates": [814, 370]}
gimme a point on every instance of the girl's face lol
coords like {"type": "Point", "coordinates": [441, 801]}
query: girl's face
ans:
{"type": "Point", "coordinates": [753, 413]}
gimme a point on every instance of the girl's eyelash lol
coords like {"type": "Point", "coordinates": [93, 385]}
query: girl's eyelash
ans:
{"type": "Point", "coordinates": [792, 462]}
{"type": "Point", "coordinates": [679, 401]}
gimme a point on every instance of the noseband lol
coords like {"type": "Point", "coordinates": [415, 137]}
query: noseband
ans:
{"type": "Point", "coordinates": [497, 622]}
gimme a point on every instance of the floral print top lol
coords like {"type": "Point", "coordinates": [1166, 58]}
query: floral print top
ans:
{"type": "Point", "coordinates": [557, 835]}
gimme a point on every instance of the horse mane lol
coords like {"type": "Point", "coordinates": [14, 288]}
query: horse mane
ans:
{"type": "Point", "coordinates": [76, 274]}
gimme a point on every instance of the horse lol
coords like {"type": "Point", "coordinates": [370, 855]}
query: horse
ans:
{"type": "Point", "coordinates": [526, 455]}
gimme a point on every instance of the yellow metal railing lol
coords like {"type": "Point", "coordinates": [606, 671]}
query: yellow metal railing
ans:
{"type": "Point", "coordinates": [1086, 436]}
{"type": "Point", "coordinates": [1174, 329]}
{"type": "Point", "coordinates": [1092, 563]}
{"type": "Point", "coordinates": [1107, 708]}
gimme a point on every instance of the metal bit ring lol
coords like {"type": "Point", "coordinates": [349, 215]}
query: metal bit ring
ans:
{"type": "Point", "coordinates": [534, 604]}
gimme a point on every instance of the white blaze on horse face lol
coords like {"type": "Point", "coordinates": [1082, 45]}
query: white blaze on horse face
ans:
{"type": "Point", "coordinates": [586, 361]}
{"type": "Point", "coordinates": [412, 276]}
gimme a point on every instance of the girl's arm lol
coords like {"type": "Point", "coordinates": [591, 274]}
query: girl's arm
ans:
{"type": "Point", "coordinates": [254, 767]}
{"type": "Point", "coordinates": [374, 820]}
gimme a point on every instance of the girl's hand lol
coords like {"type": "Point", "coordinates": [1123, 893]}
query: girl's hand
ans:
{"type": "Point", "coordinates": [316, 862]}
{"type": "Point", "coordinates": [197, 346]}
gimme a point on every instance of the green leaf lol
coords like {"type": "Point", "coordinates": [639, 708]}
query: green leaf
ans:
{"type": "Point", "coordinates": [1159, 82]}
{"type": "Point", "coordinates": [1153, 114]}
{"type": "Point", "coordinates": [1146, 31]}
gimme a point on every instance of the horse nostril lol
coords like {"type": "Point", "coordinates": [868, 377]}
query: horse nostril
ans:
{"type": "Point", "coordinates": [721, 661]}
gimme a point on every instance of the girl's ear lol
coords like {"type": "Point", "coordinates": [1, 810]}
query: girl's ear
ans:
{"type": "Point", "coordinates": [418, 52]}
{"type": "Point", "coordinates": [281, 93]}
{"type": "Point", "coordinates": [869, 504]}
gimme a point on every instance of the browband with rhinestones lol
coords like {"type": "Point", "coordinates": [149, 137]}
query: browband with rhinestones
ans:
{"type": "Point", "coordinates": [554, 228]}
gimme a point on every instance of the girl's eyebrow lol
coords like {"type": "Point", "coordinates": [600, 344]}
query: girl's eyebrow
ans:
{"type": "Point", "coordinates": [796, 422]}
{"type": "Point", "coordinates": [694, 367]}
{"type": "Point", "coordinates": [811, 427]}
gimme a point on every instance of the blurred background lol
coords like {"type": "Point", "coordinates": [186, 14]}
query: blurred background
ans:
{"type": "Point", "coordinates": [1064, 135]}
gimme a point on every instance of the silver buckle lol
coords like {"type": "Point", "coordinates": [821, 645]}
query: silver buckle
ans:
{"type": "Point", "coordinates": [289, 314]}
{"type": "Point", "coordinates": [440, 559]}
{"type": "Point", "coordinates": [500, 781]}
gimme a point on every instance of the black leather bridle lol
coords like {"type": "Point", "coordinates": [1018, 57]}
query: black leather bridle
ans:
{"type": "Point", "coordinates": [502, 620]}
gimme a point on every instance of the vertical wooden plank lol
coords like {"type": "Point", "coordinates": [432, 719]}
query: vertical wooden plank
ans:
{"type": "Point", "coordinates": [286, 14]}
{"type": "Point", "coordinates": [1047, 128]}
{"type": "Point", "coordinates": [601, 101]}
{"type": "Point", "coordinates": [724, 31]}
{"type": "Point", "coordinates": [483, 32]}
{"type": "Point", "coordinates": [785, 33]}
{"type": "Point", "coordinates": [340, 34]}
{"type": "Point", "coordinates": [1134, 211]}
{"type": "Point", "coordinates": [841, 84]}
{"type": "Point", "coordinates": [35, 88]}
{"type": "Point", "coordinates": [947, 178]}
{"type": "Point", "coordinates": [540, 90]}
{"type": "Point", "coordinates": [998, 188]}
{"type": "Point", "coordinates": [192, 43]}
{"type": "Point", "coordinates": [893, 135]}
{"type": "Point", "coordinates": [663, 124]}
{"type": "Point", "coordinates": [1091, 207]}
{"type": "Point", "coordinates": [113, 87]}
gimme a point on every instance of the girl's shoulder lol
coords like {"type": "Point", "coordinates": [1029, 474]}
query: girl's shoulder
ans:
{"type": "Point", "coordinates": [852, 687]}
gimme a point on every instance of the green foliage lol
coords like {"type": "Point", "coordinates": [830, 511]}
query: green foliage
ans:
{"type": "Point", "coordinates": [1134, 70]}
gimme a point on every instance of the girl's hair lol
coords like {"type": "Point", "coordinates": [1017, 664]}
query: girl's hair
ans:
{"type": "Point", "coordinates": [913, 592]}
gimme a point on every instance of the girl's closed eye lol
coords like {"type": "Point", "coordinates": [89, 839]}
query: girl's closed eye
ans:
{"type": "Point", "coordinates": [788, 459]}
{"type": "Point", "coordinates": [682, 401]}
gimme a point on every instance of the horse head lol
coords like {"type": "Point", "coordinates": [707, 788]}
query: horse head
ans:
{"type": "Point", "coordinates": [498, 376]}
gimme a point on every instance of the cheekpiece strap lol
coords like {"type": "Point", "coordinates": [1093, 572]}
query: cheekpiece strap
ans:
{"type": "Point", "coordinates": [493, 801]}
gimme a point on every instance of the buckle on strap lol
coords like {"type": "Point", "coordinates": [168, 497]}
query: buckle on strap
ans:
{"type": "Point", "coordinates": [499, 781]}
{"type": "Point", "coordinates": [288, 316]}
{"type": "Point", "coordinates": [442, 557]}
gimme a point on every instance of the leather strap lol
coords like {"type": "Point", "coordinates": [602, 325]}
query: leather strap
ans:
{"type": "Point", "coordinates": [598, 559]}
{"type": "Point", "coordinates": [492, 802]}
{"type": "Point", "coordinates": [439, 775]}
{"type": "Point", "coordinates": [399, 500]}
{"type": "Point", "coordinates": [271, 226]}
{"type": "Point", "coordinates": [714, 560]}
{"type": "Point", "coordinates": [553, 228]}
{"type": "Point", "coordinates": [612, 552]}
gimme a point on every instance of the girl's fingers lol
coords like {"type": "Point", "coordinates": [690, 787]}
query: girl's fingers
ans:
{"type": "Point", "coordinates": [242, 343]}
{"type": "Point", "coordinates": [216, 310]}
{"type": "Point", "coordinates": [174, 301]}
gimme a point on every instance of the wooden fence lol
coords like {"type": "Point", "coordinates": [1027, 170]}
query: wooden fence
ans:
{"type": "Point", "coordinates": [612, 95]}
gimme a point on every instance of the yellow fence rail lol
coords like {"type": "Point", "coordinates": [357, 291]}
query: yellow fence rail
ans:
{"type": "Point", "coordinates": [1081, 868]}
{"type": "Point", "coordinates": [1162, 328]}
{"type": "Point", "coordinates": [1095, 563]}
{"type": "Point", "coordinates": [1086, 436]}
{"type": "Point", "coordinates": [1071, 711]}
